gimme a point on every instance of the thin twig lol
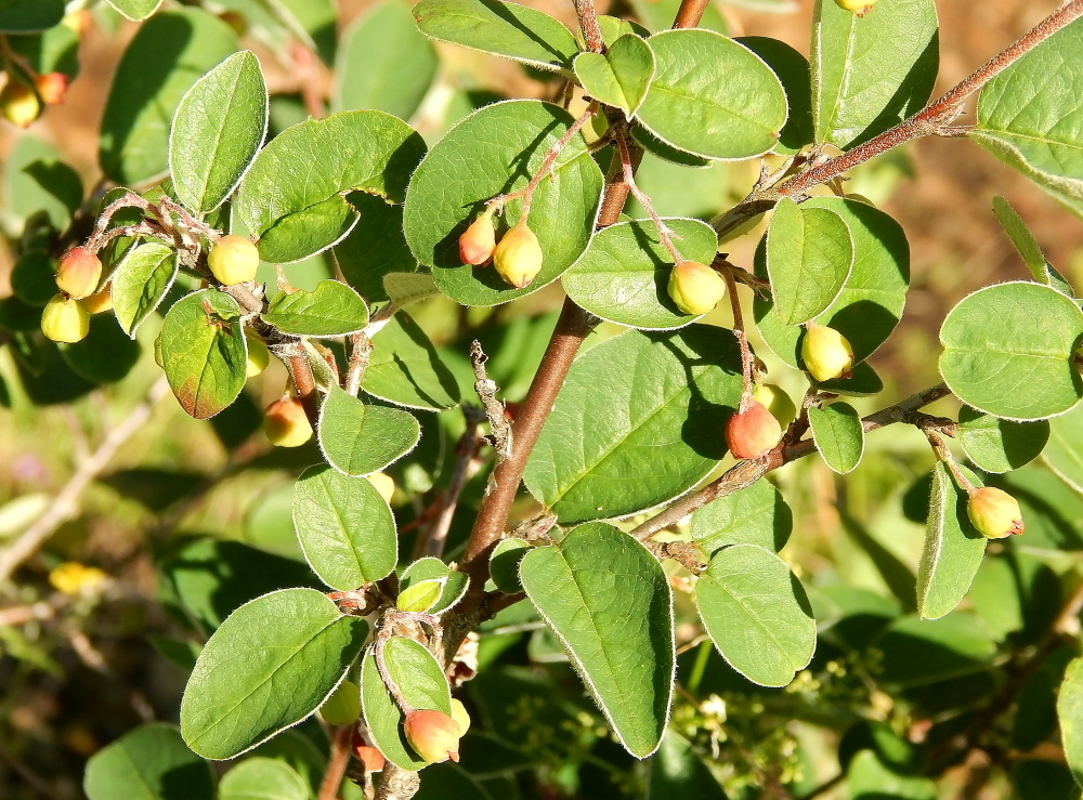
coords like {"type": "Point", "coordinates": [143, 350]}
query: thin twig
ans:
{"type": "Point", "coordinates": [588, 24]}
{"type": "Point", "coordinates": [360, 352]}
{"type": "Point", "coordinates": [628, 169]}
{"type": "Point", "coordinates": [466, 451]}
{"type": "Point", "coordinates": [66, 504]}
{"type": "Point", "coordinates": [690, 13]}
{"type": "Point", "coordinates": [336, 763]}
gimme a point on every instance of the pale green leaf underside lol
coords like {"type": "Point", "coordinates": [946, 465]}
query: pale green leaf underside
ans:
{"type": "Point", "coordinates": [608, 601]}
{"type": "Point", "coordinates": [1008, 351]}
{"type": "Point", "coordinates": [269, 665]}
{"type": "Point", "coordinates": [839, 436]}
{"type": "Point", "coordinates": [757, 614]}
{"type": "Point", "coordinates": [359, 439]}
{"type": "Point", "coordinates": [140, 282]}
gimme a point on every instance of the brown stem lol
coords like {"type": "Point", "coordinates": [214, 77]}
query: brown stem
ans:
{"type": "Point", "coordinates": [588, 23]}
{"type": "Point", "coordinates": [305, 384]}
{"type": "Point", "coordinates": [747, 362]}
{"type": "Point", "coordinates": [745, 473]}
{"type": "Point", "coordinates": [336, 763]}
{"type": "Point", "coordinates": [628, 168]}
{"type": "Point", "coordinates": [690, 13]}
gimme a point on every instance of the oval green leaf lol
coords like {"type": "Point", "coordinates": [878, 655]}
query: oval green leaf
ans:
{"type": "Point", "coordinates": [27, 16]}
{"type": "Point", "coordinates": [168, 54]}
{"type": "Point", "coordinates": [358, 439]}
{"type": "Point", "coordinates": [405, 369]}
{"type": "Point", "coordinates": [619, 78]}
{"type": "Point", "coordinates": [421, 680]}
{"type": "Point", "coordinates": [495, 151]}
{"type": "Point", "coordinates": [1070, 714]}
{"type": "Point", "coordinates": [792, 69]}
{"type": "Point", "coordinates": [453, 583]}
{"type": "Point", "coordinates": [624, 275]}
{"type": "Point", "coordinates": [419, 597]}
{"type": "Point", "coordinates": [838, 434]}
{"type": "Point", "coordinates": [204, 352]}
{"type": "Point", "coordinates": [755, 515]}
{"type": "Point", "coordinates": [262, 778]}
{"type": "Point", "coordinates": [677, 770]}
{"type": "Point", "coordinates": [504, 564]}
{"type": "Point", "coordinates": [871, 73]}
{"type": "Point", "coordinates": [953, 549]}
{"type": "Point", "coordinates": [1064, 452]}
{"type": "Point", "coordinates": [105, 355]}
{"type": "Point", "coordinates": [331, 309]}
{"type": "Point", "coordinates": [1008, 351]}
{"type": "Point", "coordinates": [757, 614]}
{"type": "Point", "coordinates": [608, 601]}
{"type": "Point", "coordinates": [141, 281]}
{"type": "Point", "coordinates": [135, 10]}
{"type": "Point", "coordinates": [217, 131]}
{"type": "Point", "coordinates": [712, 96]}
{"type": "Point", "coordinates": [151, 762]}
{"type": "Point", "coordinates": [269, 665]}
{"type": "Point", "coordinates": [997, 445]}
{"type": "Point", "coordinates": [345, 528]}
{"type": "Point", "coordinates": [809, 257]}
{"type": "Point", "coordinates": [638, 422]}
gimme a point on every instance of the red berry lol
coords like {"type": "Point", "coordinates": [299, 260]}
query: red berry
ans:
{"type": "Point", "coordinates": [753, 432]}
{"type": "Point", "coordinates": [433, 735]}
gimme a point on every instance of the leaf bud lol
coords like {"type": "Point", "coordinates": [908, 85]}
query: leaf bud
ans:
{"type": "Point", "coordinates": [478, 242]}
{"type": "Point", "coordinates": [777, 401]}
{"type": "Point", "coordinates": [826, 353]}
{"type": "Point", "coordinates": [343, 706]}
{"type": "Point", "coordinates": [753, 432]}
{"type": "Point", "coordinates": [518, 257]}
{"type": "Point", "coordinates": [433, 735]}
{"type": "Point", "coordinates": [858, 8]}
{"type": "Point", "coordinates": [64, 320]}
{"type": "Point", "coordinates": [233, 260]}
{"type": "Point", "coordinates": [78, 273]}
{"type": "Point", "coordinates": [51, 87]}
{"type": "Point", "coordinates": [18, 103]}
{"type": "Point", "coordinates": [695, 287]}
{"type": "Point", "coordinates": [995, 513]}
{"type": "Point", "coordinates": [371, 758]}
{"type": "Point", "coordinates": [286, 424]}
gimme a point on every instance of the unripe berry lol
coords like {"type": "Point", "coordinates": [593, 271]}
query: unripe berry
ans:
{"type": "Point", "coordinates": [64, 320]}
{"type": "Point", "coordinates": [343, 706]}
{"type": "Point", "coordinates": [384, 484]}
{"type": "Point", "coordinates": [858, 8]}
{"type": "Point", "coordinates": [286, 424]}
{"type": "Point", "coordinates": [371, 758]}
{"type": "Point", "coordinates": [458, 713]}
{"type": "Point", "coordinates": [518, 257]}
{"type": "Point", "coordinates": [18, 103]}
{"type": "Point", "coordinates": [51, 87]}
{"type": "Point", "coordinates": [233, 259]}
{"type": "Point", "coordinates": [98, 302]}
{"type": "Point", "coordinates": [695, 287]}
{"type": "Point", "coordinates": [777, 401]}
{"type": "Point", "coordinates": [753, 432]}
{"type": "Point", "coordinates": [78, 273]}
{"type": "Point", "coordinates": [433, 735]}
{"type": "Point", "coordinates": [258, 355]}
{"type": "Point", "coordinates": [826, 353]}
{"type": "Point", "coordinates": [478, 242]}
{"type": "Point", "coordinates": [995, 513]}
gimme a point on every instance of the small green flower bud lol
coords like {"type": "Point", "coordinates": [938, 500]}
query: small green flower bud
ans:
{"type": "Point", "coordinates": [826, 353]}
{"type": "Point", "coordinates": [64, 320]}
{"type": "Point", "coordinates": [78, 273]}
{"type": "Point", "coordinates": [478, 242]}
{"type": "Point", "coordinates": [858, 8]}
{"type": "Point", "coordinates": [286, 424]}
{"type": "Point", "coordinates": [995, 513]}
{"type": "Point", "coordinates": [778, 403]}
{"type": "Point", "coordinates": [518, 257]}
{"type": "Point", "coordinates": [695, 287]}
{"type": "Point", "coordinates": [233, 259]}
{"type": "Point", "coordinates": [433, 735]}
{"type": "Point", "coordinates": [753, 432]}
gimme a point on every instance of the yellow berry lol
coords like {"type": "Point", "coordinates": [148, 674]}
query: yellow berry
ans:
{"type": "Point", "coordinates": [826, 353]}
{"type": "Point", "coordinates": [695, 287]}
{"type": "Point", "coordinates": [995, 513]}
{"type": "Point", "coordinates": [858, 8]}
{"type": "Point", "coordinates": [18, 104]}
{"type": "Point", "coordinates": [64, 320]}
{"type": "Point", "coordinates": [233, 259]}
{"type": "Point", "coordinates": [777, 401]}
{"type": "Point", "coordinates": [384, 484]}
{"type": "Point", "coordinates": [518, 257]}
{"type": "Point", "coordinates": [343, 706]}
{"type": "Point", "coordinates": [258, 354]}
{"type": "Point", "coordinates": [98, 302]}
{"type": "Point", "coordinates": [286, 424]}
{"type": "Point", "coordinates": [458, 713]}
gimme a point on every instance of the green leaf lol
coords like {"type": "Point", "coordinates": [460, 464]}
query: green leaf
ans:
{"type": "Point", "coordinates": [168, 54]}
{"type": "Point", "coordinates": [419, 597]}
{"type": "Point", "coordinates": [608, 601]}
{"type": "Point", "coordinates": [863, 382]}
{"type": "Point", "coordinates": [406, 370]}
{"type": "Point", "coordinates": [358, 439]}
{"type": "Point", "coordinates": [871, 302]}
{"type": "Point", "coordinates": [694, 104]}
{"type": "Point", "coordinates": [637, 423]}
{"type": "Point", "coordinates": [953, 549]}
{"type": "Point", "coordinates": [204, 352]}
{"type": "Point", "coordinates": [792, 69]}
{"type": "Point", "coordinates": [809, 257]}
{"type": "Point", "coordinates": [33, 278]}
{"type": "Point", "coordinates": [623, 276]}
{"type": "Point", "coordinates": [677, 770]}
{"type": "Point", "coordinates": [375, 248]}
{"type": "Point", "coordinates": [105, 355]}
{"type": "Point", "coordinates": [331, 309]}
{"type": "Point", "coordinates": [453, 583]}
{"type": "Point", "coordinates": [871, 73]}
{"type": "Point", "coordinates": [1037, 779]}
{"type": "Point", "coordinates": [421, 680]}
{"type": "Point", "coordinates": [261, 778]}
{"type": "Point", "coordinates": [135, 10]}
{"type": "Point", "coordinates": [366, 151]}
{"type": "Point", "coordinates": [997, 445]}
{"type": "Point", "coordinates": [217, 131]}
{"type": "Point", "coordinates": [495, 151]}
{"type": "Point", "coordinates": [1070, 714]}
{"type": "Point", "coordinates": [504, 29]}
{"type": "Point", "coordinates": [27, 16]}
{"type": "Point", "coordinates": [757, 614]}
{"type": "Point", "coordinates": [504, 564]}
{"type": "Point", "coordinates": [918, 652]}
{"type": "Point", "coordinates": [150, 762]}
{"type": "Point", "coordinates": [755, 515]}
{"type": "Point", "coordinates": [1027, 246]}
{"type": "Point", "coordinates": [140, 283]}
{"type": "Point", "coordinates": [1009, 348]}
{"type": "Point", "coordinates": [384, 63]}
{"type": "Point", "coordinates": [838, 434]}
{"type": "Point", "coordinates": [1064, 452]}
{"type": "Point", "coordinates": [1029, 116]}
{"type": "Point", "coordinates": [619, 78]}
{"type": "Point", "coordinates": [312, 21]}
{"type": "Point", "coordinates": [345, 528]}
{"type": "Point", "coordinates": [870, 779]}
{"type": "Point", "coordinates": [273, 662]}
{"type": "Point", "coordinates": [36, 180]}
